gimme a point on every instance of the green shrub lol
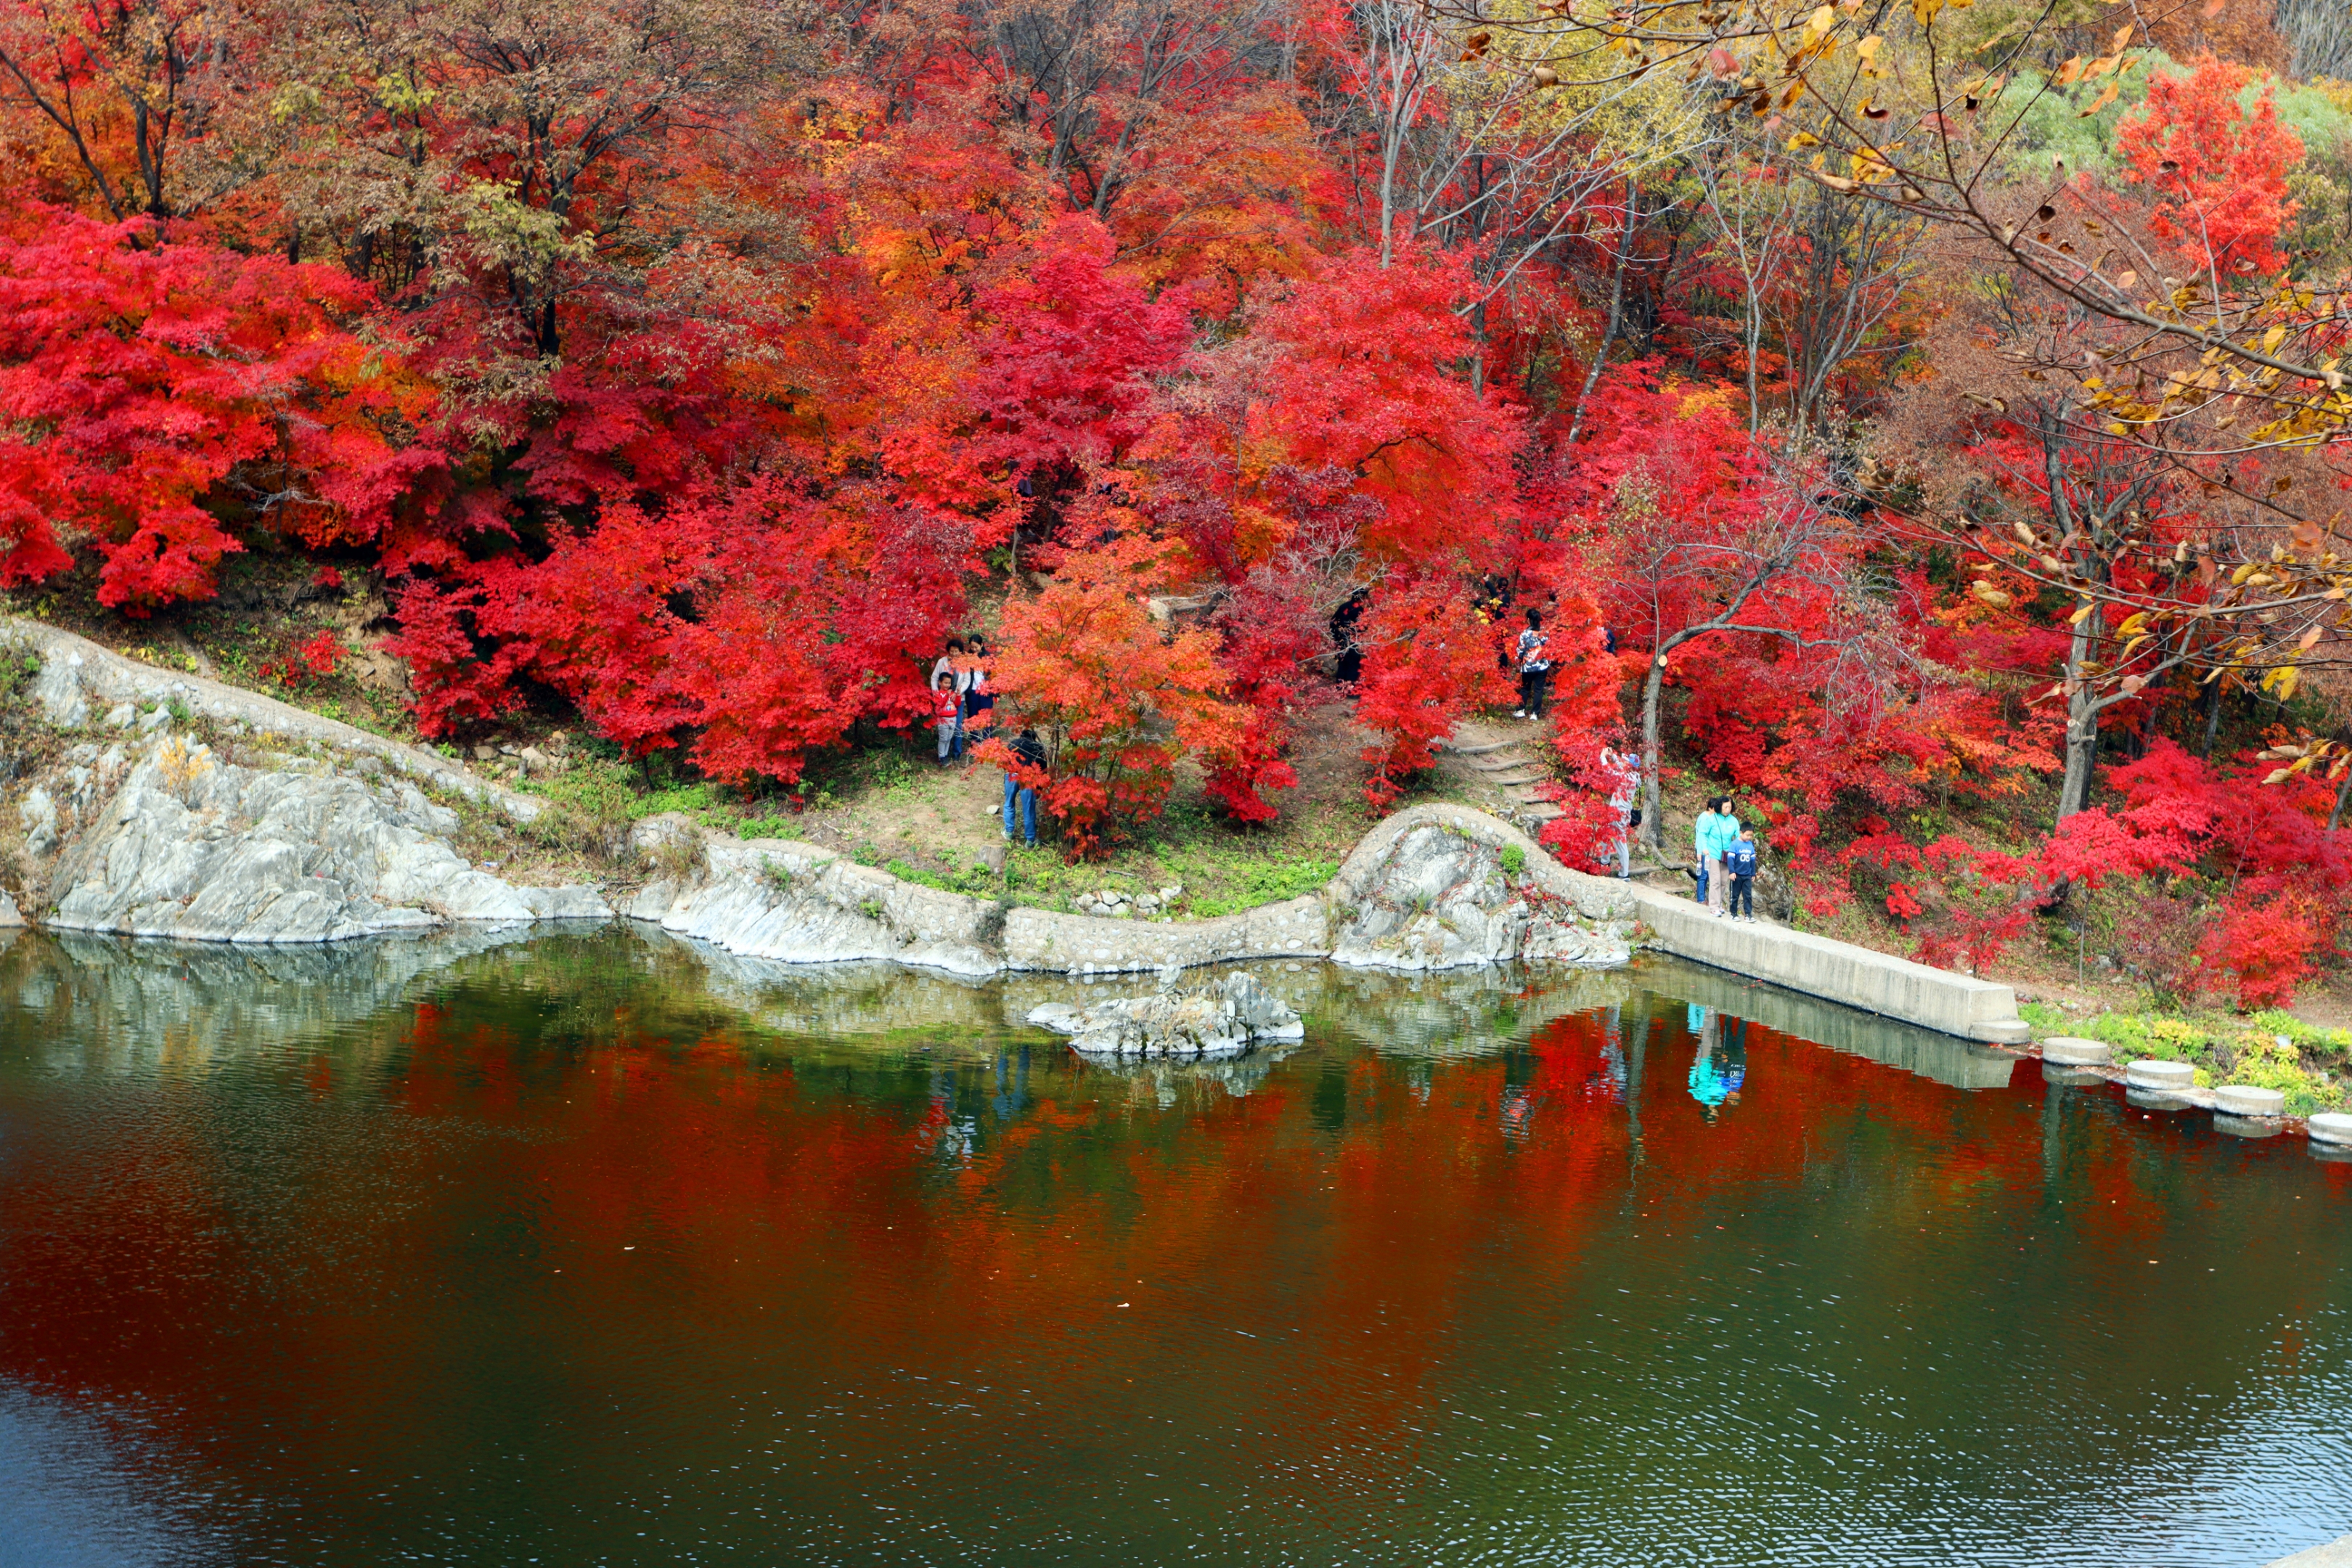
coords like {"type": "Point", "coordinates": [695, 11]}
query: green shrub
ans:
{"type": "Point", "coordinates": [1515, 861]}
{"type": "Point", "coordinates": [2263, 1063]}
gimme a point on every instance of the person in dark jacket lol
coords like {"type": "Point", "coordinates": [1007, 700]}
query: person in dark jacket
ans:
{"type": "Point", "coordinates": [1739, 865]}
{"type": "Point", "coordinates": [979, 701]}
{"type": "Point", "coordinates": [1030, 751]}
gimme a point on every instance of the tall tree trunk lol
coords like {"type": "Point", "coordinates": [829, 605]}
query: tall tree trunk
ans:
{"type": "Point", "coordinates": [1653, 687]}
{"type": "Point", "coordinates": [2082, 747]}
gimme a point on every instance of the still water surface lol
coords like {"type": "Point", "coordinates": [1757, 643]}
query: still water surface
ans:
{"type": "Point", "coordinates": [601, 1249]}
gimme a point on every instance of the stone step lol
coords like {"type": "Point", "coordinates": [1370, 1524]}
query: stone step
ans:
{"type": "Point", "coordinates": [1502, 765]}
{"type": "Point", "coordinates": [1533, 775]}
{"type": "Point", "coordinates": [1538, 811]}
{"type": "Point", "coordinates": [1482, 750]}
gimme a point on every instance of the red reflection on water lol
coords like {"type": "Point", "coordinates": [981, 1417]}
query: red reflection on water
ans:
{"type": "Point", "coordinates": [697, 1190]}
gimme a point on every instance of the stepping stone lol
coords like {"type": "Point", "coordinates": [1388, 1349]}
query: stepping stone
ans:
{"type": "Point", "coordinates": [2331, 1127]}
{"type": "Point", "coordinates": [2068, 1051]}
{"type": "Point", "coordinates": [2243, 1099]}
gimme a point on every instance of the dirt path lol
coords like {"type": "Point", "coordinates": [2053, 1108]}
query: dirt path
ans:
{"type": "Point", "coordinates": [1497, 765]}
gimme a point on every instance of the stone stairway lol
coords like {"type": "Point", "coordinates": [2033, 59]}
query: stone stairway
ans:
{"type": "Point", "coordinates": [1499, 763]}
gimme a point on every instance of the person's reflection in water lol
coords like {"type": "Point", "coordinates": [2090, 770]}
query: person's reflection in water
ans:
{"type": "Point", "coordinates": [1608, 1081]}
{"type": "Point", "coordinates": [1721, 1066]}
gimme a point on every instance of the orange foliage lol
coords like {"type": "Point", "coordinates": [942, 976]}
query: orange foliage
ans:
{"type": "Point", "coordinates": [1084, 662]}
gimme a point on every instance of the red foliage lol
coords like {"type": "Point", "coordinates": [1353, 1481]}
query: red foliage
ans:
{"type": "Point", "coordinates": [2218, 168]}
{"type": "Point", "coordinates": [159, 392]}
{"type": "Point", "coordinates": [1083, 663]}
{"type": "Point", "coordinates": [312, 659]}
{"type": "Point", "coordinates": [1427, 661]}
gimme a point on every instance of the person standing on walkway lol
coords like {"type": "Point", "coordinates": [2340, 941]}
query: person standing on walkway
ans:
{"type": "Point", "coordinates": [948, 682]}
{"type": "Point", "coordinates": [1717, 831]}
{"type": "Point", "coordinates": [1740, 864]}
{"type": "Point", "coordinates": [1030, 751]}
{"type": "Point", "coordinates": [1535, 668]}
{"type": "Point", "coordinates": [1623, 771]}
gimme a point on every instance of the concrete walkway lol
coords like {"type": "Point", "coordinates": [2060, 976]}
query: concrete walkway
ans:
{"type": "Point", "coordinates": [1837, 970]}
{"type": "Point", "coordinates": [2335, 1554]}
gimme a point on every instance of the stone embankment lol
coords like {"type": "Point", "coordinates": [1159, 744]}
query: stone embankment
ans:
{"type": "Point", "coordinates": [296, 829]}
{"type": "Point", "coordinates": [1433, 887]}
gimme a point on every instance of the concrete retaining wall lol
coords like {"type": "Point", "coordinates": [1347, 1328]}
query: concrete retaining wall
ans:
{"type": "Point", "coordinates": [1083, 944]}
{"type": "Point", "coordinates": [1836, 971]}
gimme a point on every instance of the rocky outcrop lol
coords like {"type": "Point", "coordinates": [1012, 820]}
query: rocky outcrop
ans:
{"type": "Point", "coordinates": [1443, 886]}
{"type": "Point", "coordinates": [1222, 1019]}
{"type": "Point", "coordinates": [83, 686]}
{"type": "Point", "coordinates": [165, 838]}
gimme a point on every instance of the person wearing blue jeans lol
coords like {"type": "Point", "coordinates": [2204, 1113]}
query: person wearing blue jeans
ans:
{"type": "Point", "coordinates": [1028, 749]}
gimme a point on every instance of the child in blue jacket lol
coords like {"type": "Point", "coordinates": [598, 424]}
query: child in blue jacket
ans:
{"type": "Point", "coordinates": [1739, 861]}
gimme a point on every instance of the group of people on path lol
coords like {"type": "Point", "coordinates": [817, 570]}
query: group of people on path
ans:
{"type": "Point", "coordinates": [1727, 861]}
{"type": "Point", "coordinates": [964, 709]}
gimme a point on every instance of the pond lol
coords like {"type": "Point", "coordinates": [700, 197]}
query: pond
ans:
{"type": "Point", "coordinates": [599, 1248]}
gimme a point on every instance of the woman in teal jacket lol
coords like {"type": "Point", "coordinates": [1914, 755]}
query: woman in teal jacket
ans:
{"type": "Point", "coordinates": [1715, 831]}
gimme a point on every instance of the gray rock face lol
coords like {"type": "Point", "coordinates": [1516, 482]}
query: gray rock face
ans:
{"type": "Point", "coordinates": [1221, 1019]}
{"type": "Point", "coordinates": [1433, 889]}
{"type": "Point", "coordinates": [181, 844]}
{"type": "Point", "coordinates": [79, 681]}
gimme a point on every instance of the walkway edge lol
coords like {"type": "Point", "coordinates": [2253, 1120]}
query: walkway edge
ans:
{"type": "Point", "coordinates": [1836, 971]}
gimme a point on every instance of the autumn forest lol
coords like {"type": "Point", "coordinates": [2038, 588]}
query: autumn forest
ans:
{"type": "Point", "coordinates": [1921, 418]}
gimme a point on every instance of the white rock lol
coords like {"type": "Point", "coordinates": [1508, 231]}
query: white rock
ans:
{"type": "Point", "coordinates": [120, 715]}
{"type": "Point", "coordinates": [1222, 1019]}
{"type": "Point", "coordinates": [39, 813]}
{"type": "Point", "coordinates": [158, 718]}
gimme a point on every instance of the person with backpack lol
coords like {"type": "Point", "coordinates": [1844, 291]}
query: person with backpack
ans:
{"type": "Point", "coordinates": [1535, 668]}
{"type": "Point", "coordinates": [1030, 751]}
{"type": "Point", "coordinates": [1623, 771]}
